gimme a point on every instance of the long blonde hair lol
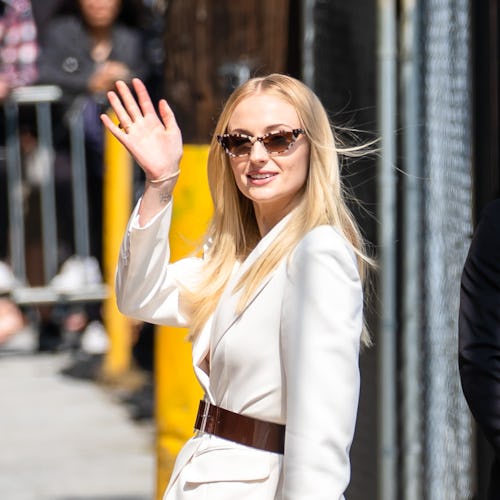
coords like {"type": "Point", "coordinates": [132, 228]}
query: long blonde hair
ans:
{"type": "Point", "coordinates": [233, 231]}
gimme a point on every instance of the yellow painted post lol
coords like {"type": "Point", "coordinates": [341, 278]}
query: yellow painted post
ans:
{"type": "Point", "coordinates": [117, 192]}
{"type": "Point", "coordinates": [177, 391]}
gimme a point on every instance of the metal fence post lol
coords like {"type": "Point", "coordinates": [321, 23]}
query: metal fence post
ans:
{"type": "Point", "coordinates": [386, 344]}
{"type": "Point", "coordinates": [79, 179]}
{"type": "Point", "coordinates": [48, 192]}
{"type": "Point", "coordinates": [412, 429]}
{"type": "Point", "coordinates": [15, 191]}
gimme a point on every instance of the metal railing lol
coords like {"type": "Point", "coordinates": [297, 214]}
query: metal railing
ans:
{"type": "Point", "coordinates": [42, 97]}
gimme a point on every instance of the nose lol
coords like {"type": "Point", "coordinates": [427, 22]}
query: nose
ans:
{"type": "Point", "coordinates": [258, 153]}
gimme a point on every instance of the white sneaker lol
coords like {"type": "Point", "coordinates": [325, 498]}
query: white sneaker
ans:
{"type": "Point", "coordinates": [95, 338]}
{"type": "Point", "coordinates": [7, 279]}
{"type": "Point", "coordinates": [75, 273]}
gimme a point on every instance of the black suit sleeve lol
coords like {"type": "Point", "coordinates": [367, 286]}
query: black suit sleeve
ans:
{"type": "Point", "coordinates": [479, 325]}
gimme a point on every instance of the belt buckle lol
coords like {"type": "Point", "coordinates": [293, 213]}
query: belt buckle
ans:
{"type": "Point", "coordinates": [204, 417]}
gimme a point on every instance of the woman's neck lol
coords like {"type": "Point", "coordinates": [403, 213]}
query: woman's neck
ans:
{"type": "Point", "coordinates": [101, 44]}
{"type": "Point", "coordinates": [268, 215]}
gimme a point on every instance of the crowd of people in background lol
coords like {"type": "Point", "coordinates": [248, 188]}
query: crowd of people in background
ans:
{"type": "Point", "coordinates": [83, 47]}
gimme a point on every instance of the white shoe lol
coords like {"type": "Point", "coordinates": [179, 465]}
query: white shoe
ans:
{"type": "Point", "coordinates": [75, 273]}
{"type": "Point", "coordinates": [95, 338]}
{"type": "Point", "coordinates": [7, 279]}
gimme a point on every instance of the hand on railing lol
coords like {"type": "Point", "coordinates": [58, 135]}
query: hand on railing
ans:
{"type": "Point", "coordinates": [106, 75]}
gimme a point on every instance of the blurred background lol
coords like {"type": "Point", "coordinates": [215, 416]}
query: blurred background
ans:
{"type": "Point", "coordinates": [421, 76]}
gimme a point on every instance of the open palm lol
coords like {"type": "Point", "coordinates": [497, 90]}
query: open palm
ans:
{"type": "Point", "coordinates": [154, 141]}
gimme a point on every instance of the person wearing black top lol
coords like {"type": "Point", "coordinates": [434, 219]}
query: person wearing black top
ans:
{"type": "Point", "coordinates": [85, 48]}
{"type": "Point", "coordinates": [479, 333]}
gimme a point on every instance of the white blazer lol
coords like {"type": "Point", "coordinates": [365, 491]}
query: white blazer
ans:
{"type": "Point", "coordinates": [291, 356]}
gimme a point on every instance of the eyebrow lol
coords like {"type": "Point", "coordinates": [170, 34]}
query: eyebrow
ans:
{"type": "Point", "coordinates": [275, 127]}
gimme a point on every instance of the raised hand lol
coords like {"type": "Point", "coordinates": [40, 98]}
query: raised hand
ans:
{"type": "Point", "coordinates": [156, 144]}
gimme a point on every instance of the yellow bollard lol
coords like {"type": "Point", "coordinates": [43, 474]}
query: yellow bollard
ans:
{"type": "Point", "coordinates": [177, 391]}
{"type": "Point", "coordinates": [117, 192]}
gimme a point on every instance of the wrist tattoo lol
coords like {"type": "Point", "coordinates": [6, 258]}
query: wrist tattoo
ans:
{"type": "Point", "coordinates": [165, 196]}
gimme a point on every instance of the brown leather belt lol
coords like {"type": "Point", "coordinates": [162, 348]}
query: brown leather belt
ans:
{"type": "Point", "coordinates": [241, 429]}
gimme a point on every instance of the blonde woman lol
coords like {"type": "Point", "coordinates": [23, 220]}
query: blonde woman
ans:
{"type": "Point", "coordinates": [275, 306]}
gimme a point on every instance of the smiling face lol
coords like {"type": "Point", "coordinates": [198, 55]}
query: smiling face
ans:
{"type": "Point", "coordinates": [274, 183]}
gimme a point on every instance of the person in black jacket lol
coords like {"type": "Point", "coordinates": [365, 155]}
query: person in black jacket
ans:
{"type": "Point", "coordinates": [479, 333]}
{"type": "Point", "coordinates": [85, 52]}
{"type": "Point", "coordinates": [85, 48]}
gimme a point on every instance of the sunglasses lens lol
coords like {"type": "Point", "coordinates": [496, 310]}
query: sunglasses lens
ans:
{"type": "Point", "coordinates": [237, 145]}
{"type": "Point", "coordinates": [275, 143]}
{"type": "Point", "coordinates": [278, 142]}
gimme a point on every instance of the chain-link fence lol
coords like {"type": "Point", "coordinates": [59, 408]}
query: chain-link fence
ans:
{"type": "Point", "coordinates": [343, 62]}
{"type": "Point", "coordinates": [447, 153]}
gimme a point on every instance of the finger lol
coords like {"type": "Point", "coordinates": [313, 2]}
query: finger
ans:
{"type": "Point", "coordinates": [120, 111]}
{"type": "Point", "coordinates": [128, 100]}
{"type": "Point", "coordinates": [143, 97]}
{"type": "Point", "coordinates": [167, 115]}
{"type": "Point", "coordinates": [108, 123]}
{"type": "Point", "coordinates": [114, 129]}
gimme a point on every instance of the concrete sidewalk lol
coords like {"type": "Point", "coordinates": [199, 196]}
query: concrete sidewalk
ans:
{"type": "Point", "coordinates": [66, 439]}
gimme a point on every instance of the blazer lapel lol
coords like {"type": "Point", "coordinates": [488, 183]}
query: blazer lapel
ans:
{"type": "Point", "coordinates": [225, 314]}
{"type": "Point", "coordinates": [200, 353]}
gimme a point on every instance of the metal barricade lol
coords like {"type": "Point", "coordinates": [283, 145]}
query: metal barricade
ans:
{"type": "Point", "coordinates": [42, 97]}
